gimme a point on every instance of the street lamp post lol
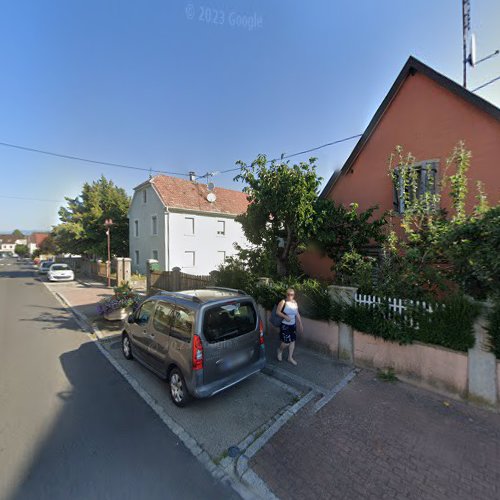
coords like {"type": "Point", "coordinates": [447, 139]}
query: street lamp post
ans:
{"type": "Point", "coordinates": [108, 223]}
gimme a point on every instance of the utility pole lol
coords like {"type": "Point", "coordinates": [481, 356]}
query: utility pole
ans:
{"type": "Point", "coordinates": [108, 223]}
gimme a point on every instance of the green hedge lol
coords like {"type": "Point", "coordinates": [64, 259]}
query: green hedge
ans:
{"type": "Point", "coordinates": [450, 326]}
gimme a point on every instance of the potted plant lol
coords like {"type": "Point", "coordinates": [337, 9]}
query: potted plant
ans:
{"type": "Point", "coordinates": [120, 304]}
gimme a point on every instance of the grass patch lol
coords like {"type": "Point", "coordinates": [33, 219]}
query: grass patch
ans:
{"type": "Point", "coordinates": [387, 375]}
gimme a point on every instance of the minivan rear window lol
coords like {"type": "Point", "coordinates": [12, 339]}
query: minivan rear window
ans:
{"type": "Point", "coordinates": [229, 320]}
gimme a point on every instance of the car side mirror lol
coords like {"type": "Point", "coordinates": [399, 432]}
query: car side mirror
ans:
{"type": "Point", "coordinates": [130, 318]}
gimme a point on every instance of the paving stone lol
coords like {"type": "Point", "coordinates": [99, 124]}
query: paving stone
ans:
{"type": "Point", "coordinates": [385, 440]}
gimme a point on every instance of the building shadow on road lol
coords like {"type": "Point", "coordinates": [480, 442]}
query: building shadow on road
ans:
{"type": "Point", "coordinates": [105, 442]}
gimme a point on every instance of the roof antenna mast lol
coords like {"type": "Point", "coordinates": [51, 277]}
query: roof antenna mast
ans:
{"type": "Point", "coordinates": [465, 33]}
{"type": "Point", "coordinates": [469, 42]}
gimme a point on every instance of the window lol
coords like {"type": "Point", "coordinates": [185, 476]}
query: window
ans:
{"type": "Point", "coordinates": [189, 226]}
{"type": "Point", "coordinates": [144, 313]}
{"type": "Point", "coordinates": [136, 228]}
{"type": "Point", "coordinates": [155, 254]}
{"type": "Point", "coordinates": [162, 320]}
{"type": "Point", "coordinates": [154, 225]}
{"type": "Point", "coordinates": [221, 227]}
{"type": "Point", "coordinates": [189, 259]}
{"type": "Point", "coordinates": [229, 321]}
{"type": "Point", "coordinates": [137, 257]}
{"type": "Point", "coordinates": [183, 322]}
{"type": "Point", "coordinates": [145, 196]}
{"type": "Point", "coordinates": [425, 182]}
{"type": "Point", "coordinates": [221, 257]}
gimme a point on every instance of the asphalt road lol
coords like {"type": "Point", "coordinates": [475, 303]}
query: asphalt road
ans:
{"type": "Point", "coordinates": [70, 425]}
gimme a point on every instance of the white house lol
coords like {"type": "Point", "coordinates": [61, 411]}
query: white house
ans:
{"type": "Point", "coordinates": [8, 243]}
{"type": "Point", "coordinates": [181, 223]}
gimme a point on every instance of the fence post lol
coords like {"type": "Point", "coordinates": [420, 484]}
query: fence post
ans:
{"type": "Point", "coordinates": [150, 264]}
{"type": "Point", "coordinates": [344, 295]}
{"type": "Point", "coordinates": [482, 366]}
{"type": "Point", "coordinates": [176, 279]}
{"type": "Point", "coordinates": [127, 269]}
{"type": "Point", "coordinates": [119, 270]}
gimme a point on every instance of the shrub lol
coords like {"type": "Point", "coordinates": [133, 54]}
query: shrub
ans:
{"type": "Point", "coordinates": [451, 324]}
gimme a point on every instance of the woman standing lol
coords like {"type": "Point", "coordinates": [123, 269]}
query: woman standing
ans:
{"type": "Point", "coordinates": [289, 311]}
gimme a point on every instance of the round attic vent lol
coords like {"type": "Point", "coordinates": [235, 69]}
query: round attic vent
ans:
{"type": "Point", "coordinates": [211, 197]}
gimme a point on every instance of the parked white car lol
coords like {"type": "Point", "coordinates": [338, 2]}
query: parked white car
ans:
{"type": "Point", "coordinates": [60, 272]}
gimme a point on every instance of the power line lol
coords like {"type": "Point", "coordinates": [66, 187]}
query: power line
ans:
{"type": "Point", "coordinates": [78, 158]}
{"type": "Point", "coordinates": [31, 199]}
{"type": "Point", "coordinates": [338, 141]}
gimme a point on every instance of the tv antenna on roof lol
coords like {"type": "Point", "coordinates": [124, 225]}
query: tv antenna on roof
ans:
{"type": "Point", "coordinates": [469, 42]}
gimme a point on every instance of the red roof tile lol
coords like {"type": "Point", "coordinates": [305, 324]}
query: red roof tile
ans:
{"type": "Point", "coordinates": [180, 193]}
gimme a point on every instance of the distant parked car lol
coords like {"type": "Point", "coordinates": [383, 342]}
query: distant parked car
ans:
{"type": "Point", "coordinates": [44, 266]}
{"type": "Point", "coordinates": [60, 272]}
{"type": "Point", "coordinates": [202, 341]}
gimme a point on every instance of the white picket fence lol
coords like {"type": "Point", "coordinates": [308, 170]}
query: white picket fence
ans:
{"type": "Point", "coordinates": [400, 307]}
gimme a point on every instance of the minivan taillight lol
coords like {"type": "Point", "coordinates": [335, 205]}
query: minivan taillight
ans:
{"type": "Point", "coordinates": [261, 331]}
{"type": "Point", "coordinates": [197, 352]}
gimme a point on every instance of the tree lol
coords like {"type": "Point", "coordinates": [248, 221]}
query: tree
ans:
{"type": "Point", "coordinates": [281, 212]}
{"type": "Point", "coordinates": [340, 229]}
{"type": "Point", "coordinates": [22, 250]}
{"type": "Point", "coordinates": [18, 234]}
{"type": "Point", "coordinates": [49, 246]}
{"type": "Point", "coordinates": [82, 229]}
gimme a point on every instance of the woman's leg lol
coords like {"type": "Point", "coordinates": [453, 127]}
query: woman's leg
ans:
{"type": "Point", "coordinates": [290, 353]}
{"type": "Point", "coordinates": [281, 348]}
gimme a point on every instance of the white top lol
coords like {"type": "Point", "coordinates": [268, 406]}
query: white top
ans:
{"type": "Point", "coordinates": [291, 309]}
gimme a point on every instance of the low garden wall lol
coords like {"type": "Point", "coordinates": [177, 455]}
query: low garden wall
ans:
{"type": "Point", "coordinates": [433, 366]}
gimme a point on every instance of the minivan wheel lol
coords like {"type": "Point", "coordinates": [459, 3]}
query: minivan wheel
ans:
{"type": "Point", "coordinates": [126, 347]}
{"type": "Point", "coordinates": [178, 390]}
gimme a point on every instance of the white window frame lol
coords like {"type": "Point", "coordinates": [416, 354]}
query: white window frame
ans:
{"type": "Point", "coordinates": [193, 253]}
{"type": "Point", "coordinates": [153, 252]}
{"type": "Point", "coordinates": [154, 225]}
{"type": "Point", "coordinates": [219, 223]}
{"type": "Point", "coordinates": [186, 233]}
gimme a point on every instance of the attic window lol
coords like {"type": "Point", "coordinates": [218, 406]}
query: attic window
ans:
{"type": "Point", "coordinates": [145, 196]}
{"type": "Point", "coordinates": [425, 181]}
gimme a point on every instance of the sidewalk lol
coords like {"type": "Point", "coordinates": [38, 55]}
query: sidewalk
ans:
{"type": "Point", "coordinates": [380, 439]}
{"type": "Point", "coordinates": [356, 436]}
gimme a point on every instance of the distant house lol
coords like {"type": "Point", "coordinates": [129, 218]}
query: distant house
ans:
{"type": "Point", "coordinates": [8, 242]}
{"type": "Point", "coordinates": [181, 223]}
{"type": "Point", "coordinates": [35, 240]}
{"type": "Point", "coordinates": [427, 114]}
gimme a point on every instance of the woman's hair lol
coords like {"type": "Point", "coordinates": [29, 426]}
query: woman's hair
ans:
{"type": "Point", "coordinates": [290, 290]}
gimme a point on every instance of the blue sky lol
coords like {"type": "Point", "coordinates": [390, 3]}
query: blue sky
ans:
{"type": "Point", "coordinates": [183, 85]}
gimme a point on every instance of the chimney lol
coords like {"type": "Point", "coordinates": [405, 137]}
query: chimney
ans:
{"type": "Point", "coordinates": [192, 176]}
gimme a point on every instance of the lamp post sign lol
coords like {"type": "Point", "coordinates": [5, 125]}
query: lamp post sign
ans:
{"type": "Point", "coordinates": [108, 223]}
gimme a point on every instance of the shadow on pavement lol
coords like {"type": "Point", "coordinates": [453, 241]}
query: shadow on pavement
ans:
{"type": "Point", "coordinates": [105, 442]}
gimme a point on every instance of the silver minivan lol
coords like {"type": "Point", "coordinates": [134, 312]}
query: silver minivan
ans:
{"type": "Point", "coordinates": [202, 341]}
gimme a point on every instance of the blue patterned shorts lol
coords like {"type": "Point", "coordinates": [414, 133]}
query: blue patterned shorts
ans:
{"type": "Point", "coordinates": [287, 333]}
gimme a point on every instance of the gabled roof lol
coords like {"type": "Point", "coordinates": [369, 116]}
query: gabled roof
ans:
{"type": "Point", "coordinates": [411, 67]}
{"type": "Point", "coordinates": [189, 195]}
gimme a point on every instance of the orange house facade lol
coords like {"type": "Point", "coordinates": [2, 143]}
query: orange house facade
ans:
{"type": "Point", "coordinates": [427, 114]}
